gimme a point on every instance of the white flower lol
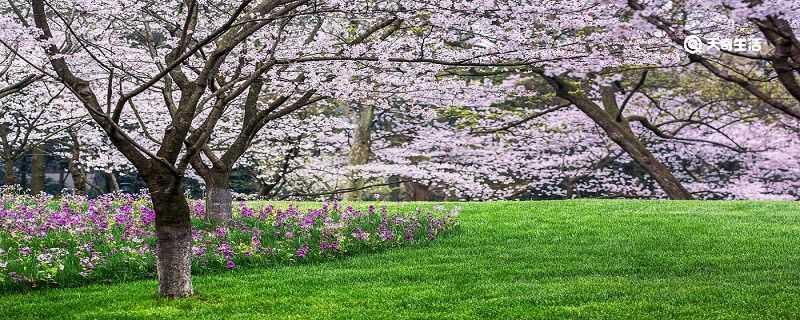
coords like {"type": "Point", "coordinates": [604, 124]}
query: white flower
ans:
{"type": "Point", "coordinates": [3, 264]}
{"type": "Point", "coordinates": [44, 258]}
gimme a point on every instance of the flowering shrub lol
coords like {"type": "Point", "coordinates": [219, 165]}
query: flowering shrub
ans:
{"type": "Point", "coordinates": [47, 242]}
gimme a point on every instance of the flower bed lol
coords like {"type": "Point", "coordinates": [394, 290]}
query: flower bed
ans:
{"type": "Point", "coordinates": [74, 240]}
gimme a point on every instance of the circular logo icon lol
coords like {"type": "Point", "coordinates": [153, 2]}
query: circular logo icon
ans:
{"type": "Point", "coordinates": [693, 45]}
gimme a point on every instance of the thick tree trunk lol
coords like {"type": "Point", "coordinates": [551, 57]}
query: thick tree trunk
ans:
{"type": "Point", "coordinates": [219, 199]}
{"type": "Point", "coordinates": [78, 178]}
{"type": "Point", "coordinates": [786, 55]}
{"type": "Point", "coordinates": [173, 233]}
{"type": "Point", "coordinates": [417, 191]}
{"type": "Point", "coordinates": [570, 184]}
{"type": "Point", "coordinates": [22, 179]}
{"type": "Point", "coordinates": [111, 182]}
{"type": "Point", "coordinates": [360, 148]}
{"type": "Point", "coordinates": [663, 176]}
{"type": "Point", "coordinates": [10, 175]}
{"type": "Point", "coordinates": [621, 133]}
{"type": "Point", "coordinates": [75, 168]}
{"type": "Point", "coordinates": [38, 163]}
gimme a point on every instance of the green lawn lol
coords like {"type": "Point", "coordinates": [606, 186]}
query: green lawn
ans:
{"type": "Point", "coordinates": [556, 259]}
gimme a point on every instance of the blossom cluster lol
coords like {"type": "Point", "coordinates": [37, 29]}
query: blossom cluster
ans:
{"type": "Point", "coordinates": [48, 242]}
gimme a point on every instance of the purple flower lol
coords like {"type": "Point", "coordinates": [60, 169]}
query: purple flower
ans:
{"type": "Point", "coordinates": [360, 234]}
{"type": "Point", "coordinates": [433, 227]}
{"type": "Point", "coordinates": [199, 251]}
{"type": "Point", "coordinates": [148, 216]}
{"type": "Point", "coordinates": [122, 219]}
{"type": "Point", "coordinates": [245, 211]}
{"type": "Point", "coordinates": [308, 220]}
{"type": "Point", "coordinates": [199, 209]}
{"type": "Point", "coordinates": [91, 244]}
{"type": "Point", "coordinates": [127, 209]}
{"type": "Point", "coordinates": [384, 232]}
{"type": "Point", "coordinates": [265, 212]}
{"type": "Point", "coordinates": [255, 240]}
{"type": "Point", "coordinates": [281, 218]}
{"type": "Point", "coordinates": [408, 234]}
{"type": "Point", "coordinates": [99, 220]}
{"type": "Point", "coordinates": [225, 250]}
{"type": "Point", "coordinates": [302, 251]}
{"type": "Point", "coordinates": [221, 232]}
{"type": "Point", "coordinates": [329, 246]}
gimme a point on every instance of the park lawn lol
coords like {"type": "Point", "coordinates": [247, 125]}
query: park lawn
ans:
{"type": "Point", "coordinates": [589, 259]}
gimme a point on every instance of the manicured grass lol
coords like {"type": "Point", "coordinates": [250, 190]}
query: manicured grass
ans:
{"type": "Point", "coordinates": [558, 259]}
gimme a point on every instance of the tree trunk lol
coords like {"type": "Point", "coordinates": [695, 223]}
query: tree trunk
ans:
{"type": "Point", "coordinates": [621, 133]}
{"type": "Point", "coordinates": [10, 175]}
{"type": "Point", "coordinates": [627, 140]}
{"type": "Point", "coordinates": [22, 179]}
{"type": "Point", "coordinates": [360, 148]}
{"type": "Point", "coordinates": [38, 164]}
{"type": "Point", "coordinates": [78, 178]}
{"type": "Point", "coordinates": [570, 184]}
{"type": "Point", "coordinates": [10, 178]}
{"type": "Point", "coordinates": [111, 182]}
{"type": "Point", "coordinates": [74, 166]}
{"type": "Point", "coordinates": [219, 199]}
{"type": "Point", "coordinates": [663, 176]}
{"type": "Point", "coordinates": [417, 191]}
{"type": "Point", "coordinates": [173, 233]}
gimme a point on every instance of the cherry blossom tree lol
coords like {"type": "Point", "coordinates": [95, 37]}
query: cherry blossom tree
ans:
{"type": "Point", "coordinates": [190, 69]}
{"type": "Point", "coordinates": [31, 117]}
{"type": "Point", "coordinates": [198, 92]}
{"type": "Point", "coordinates": [754, 70]}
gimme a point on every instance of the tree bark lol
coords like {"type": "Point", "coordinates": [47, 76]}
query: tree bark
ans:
{"type": "Point", "coordinates": [417, 191]}
{"type": "Point", "coordinates": [621, 134]}
{"type": "Point", "coordinates": [78, 178]}
{"type": "Point", "coordinates": [360, 148]}
{"type": "Point", "coordinates": [663, 176]}
{"type": "Point", "coordinates": [10, 175]}
{"type": "Point", "coordinates": [570, 184]}
{"type": "Point", "coordinates": [219, 198]}
{"type": "Point", "coordinates": [74, 166]}
{"type": "Point", "coordinates": [173, 233]}
{"type": "Point", "coordinates": [38, 164]}
{"type": "Point", "coordinates": [111, 182]}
